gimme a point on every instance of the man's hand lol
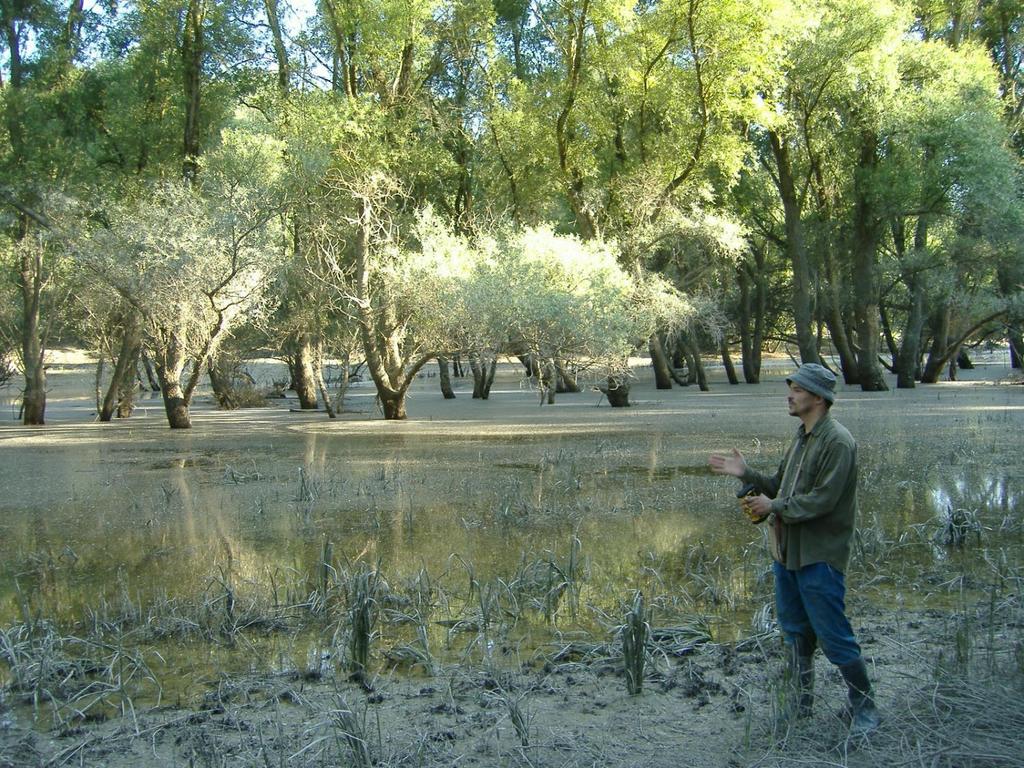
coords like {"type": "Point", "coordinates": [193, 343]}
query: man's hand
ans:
{"type": "Point", "coordinates": [728, 464]}
{"type": "Point", "coordinates": [757, 507]}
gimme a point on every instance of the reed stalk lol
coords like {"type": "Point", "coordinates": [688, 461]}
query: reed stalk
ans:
{"type": "Point", "coordinates": [353, 732]}
{"type": "Point", "coordinates": [363, 618]}
{"type": "Point", "coordinates": [634, 643]}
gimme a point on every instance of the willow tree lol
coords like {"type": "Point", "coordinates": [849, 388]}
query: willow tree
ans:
{"type": "Point", "coordinates": [398, 287]}
{"type": "Point", "coordinates": [997, 26]}
{"type": "Point", "coordinates": [616, 119]}
{"type": "Point", "coordinates": [570, 299]}
{"type": "Point", "coordinates": [945, 182]}
{"type": "Point", "coordinates": [193, 262]}
{"type": "Point", "coordinates": [632, 108]}
{"type": "Point", "coordinates": [42, 43]}
{"type": "Point", "coordinates": [819, 143]}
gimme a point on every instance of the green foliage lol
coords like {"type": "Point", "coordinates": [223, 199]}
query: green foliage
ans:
{"type": "Point", "coordinates": [192, 266]}
{"type": "Point", "coordinates": [571, 299]}
{"type": "Point", "coordinates": [644, 129]}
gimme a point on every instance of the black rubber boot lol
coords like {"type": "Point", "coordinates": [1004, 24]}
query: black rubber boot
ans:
{"type": "Point", "coordinates": [864, 715]}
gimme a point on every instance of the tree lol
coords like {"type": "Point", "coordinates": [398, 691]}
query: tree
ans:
{"type": "Point", "coordinates": [395, 298]}
{"type": "Point", "coordinates": [192, 265]}
{"type": "Point", "coordinates": [42, 44]}
{"type": "Point", "coordinates": [945, 184]}
{"type": "Point", "coordinates": [819, 143]}
{"type": "Point", "coordinates": [627, 119]}
{"type": "Point", "coordinates": [572, 300]}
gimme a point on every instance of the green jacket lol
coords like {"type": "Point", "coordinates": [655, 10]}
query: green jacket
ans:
{"type": "Point", "coordinates": [814, 496]}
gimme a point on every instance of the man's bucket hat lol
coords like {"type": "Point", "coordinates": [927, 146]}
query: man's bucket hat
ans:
{"type": "Point", "coordinates": [816, 379]}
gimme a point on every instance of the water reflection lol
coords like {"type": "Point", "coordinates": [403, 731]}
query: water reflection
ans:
{"type": "Point", "coordinates": [976, 489]}
{"type": "Point", "coordinates": [146, 520]}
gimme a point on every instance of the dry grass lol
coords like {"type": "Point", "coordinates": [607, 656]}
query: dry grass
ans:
{"type": "Point", "coordinates": [955, 722]}
{"type": "Point", "coordinates": [708, 706]}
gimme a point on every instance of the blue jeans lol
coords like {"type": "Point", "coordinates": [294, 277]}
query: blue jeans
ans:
{"type": "Point", "coordinates": [811, 603]}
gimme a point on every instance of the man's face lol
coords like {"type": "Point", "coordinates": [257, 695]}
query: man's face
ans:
{"type": "Point", "coordinates": [801, 402]}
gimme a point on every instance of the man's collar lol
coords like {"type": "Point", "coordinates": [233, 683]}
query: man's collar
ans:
{"type": "Point", "coordinates": [802, 431]}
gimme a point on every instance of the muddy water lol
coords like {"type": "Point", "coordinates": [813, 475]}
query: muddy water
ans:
{"type": "Point", "coordinates": [100, 520]}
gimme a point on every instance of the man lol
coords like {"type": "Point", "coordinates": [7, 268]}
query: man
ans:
{"type": "Point", "coordinates": [812, 503]}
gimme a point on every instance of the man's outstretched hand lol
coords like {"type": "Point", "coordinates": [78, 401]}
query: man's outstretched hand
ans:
{"type": "Point", "coordinates": [728, 464]}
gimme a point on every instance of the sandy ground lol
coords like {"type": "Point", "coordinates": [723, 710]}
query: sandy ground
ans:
{"type": "Point", "coordinates": [713, 707]}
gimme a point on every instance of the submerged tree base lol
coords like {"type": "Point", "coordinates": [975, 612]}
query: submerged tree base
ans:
{"type": "Point", "coordinates": [617, 392]}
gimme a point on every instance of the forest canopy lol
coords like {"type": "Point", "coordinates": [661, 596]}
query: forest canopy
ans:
{"type": "Point", "coordinates": [186, 183]}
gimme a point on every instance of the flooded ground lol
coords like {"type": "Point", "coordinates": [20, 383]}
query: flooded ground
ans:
{"type": "Point", "coordinates": [501, 532]}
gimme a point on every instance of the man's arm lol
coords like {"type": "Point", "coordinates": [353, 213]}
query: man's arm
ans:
{"type": "Point", "coordinates": [765, 486]}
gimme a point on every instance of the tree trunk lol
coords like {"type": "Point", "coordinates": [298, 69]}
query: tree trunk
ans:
{"type": "Point", "coordinates": [796, 250]}
{"type": "Point", "coordinates": [280, 52]}
{"type": "Point", "coordinates": [887, 334]}
{"type": "Point", "coordinates": [865, 283]}
{"type": "Point", "coordinates": [220, 383]}
{"type": "Point", "coordinates": [346, 368]}
{"type": "Point", "coordinates": [566, 380]}
{"type": "Point", "coordinates": [100, 365]}
{"type": "Point", "coordinates": [482, 367]}
{"type": "Point", "coordinates": [691, 365]}
{"type": "Point", "coordinates": [617, 392]}
{"type": "Point", "coordinates": [697, 373]}
{"type": "Point", "coordinates": [478, 375]}
{"type": "Point", "coordinates": [489, 377]}
{"type": "Point", "coordinates": [124, 370]}
{"type": "Point", "coordinates": [170, 362]}
{"type": "Point", "coordinates": [660, 363]}
{"type": "Point", "coordinates": [303, 375]}
{"type": "Point", "coordinates": [730, 369]}
{"type": "Point", "coordinates": [907, 359]}
{"type": "Point", "coordinates": [937, 354]}
{"type": "Point", "coordinates": [547, 380]}
{"type": "Point", "coordinates": [573, 178]}
{"type": "Point", "coordinates": [963, 360]}
{"type": "Point", "coordinates": [702, 374]}
{"type": "Point", "coordinates": [151, 377]}
{"type": "Point", "coordinates": [909, 356]}
{"type": "Point", "coordinates": [446, 379]}
{"type": "Point", "coordinates": [178, 416]}
{"type": "Point", "coordinates": [531, 364]}
{"type": "Point", "coordinates": [752, 312]}
{"type": "Point", "coordinates": [32, 347]}
{"type": "Point", "coordinates": [321, 383]}
{"type": "Point", "coordinates": [34, 395]}
{"type": "Point", "coordinates": [1010, 277]}
{"type": "Point", "coordinates": [126, 403]}
{"type": "Point", "coordinates": [393, 406]}
{"type": "Point", "coordinates": [193, 50]}
{"type": "Point", "coordinates": [836, 322]}
{"type": "Point", "coordinates": [126, 396]}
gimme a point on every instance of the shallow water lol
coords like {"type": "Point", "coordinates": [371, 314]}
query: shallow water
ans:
{"type": "Point", "coordinates": [97, 520]}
